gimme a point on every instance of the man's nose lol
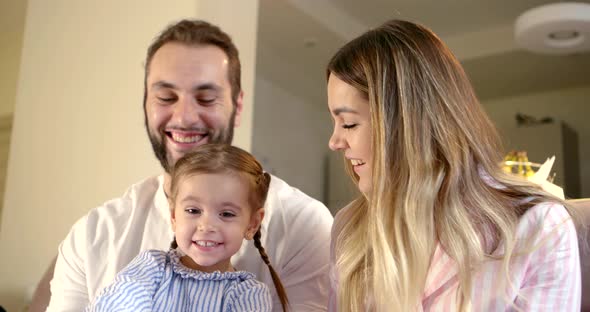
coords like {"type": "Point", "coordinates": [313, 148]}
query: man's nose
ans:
{"type": "Point", "coordinates": [186, 112]}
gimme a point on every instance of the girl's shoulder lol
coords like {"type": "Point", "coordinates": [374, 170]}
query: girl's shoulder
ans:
{"type": "Point", "coordinates": [250, 282]}
{"type": "Point", "coordinates": [173, 257]}
{"type": "Point", "coordinates": [248, 295]}
{"type": "Point", "coordinates": [150, 259]}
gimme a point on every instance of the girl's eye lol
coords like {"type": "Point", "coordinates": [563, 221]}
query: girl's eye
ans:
{"type": "Point", "coordinates": [228, 214]}
{"type": "Point", "coordinates": [193, 210]}
{"type": "Point", "coordinates": [349, 126]}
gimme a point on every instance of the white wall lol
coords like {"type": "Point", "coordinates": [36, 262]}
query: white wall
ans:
{"type": "Point", "coordinates": [78, 135]}
{"type": "Point", "coordinates": [291, 136]}
{"type": "Point", "coordinates": [570, 105]}
{"type": "Point", "coordinates": [240, 20]}
{"type": "Point", "coordinates": [12, 20]}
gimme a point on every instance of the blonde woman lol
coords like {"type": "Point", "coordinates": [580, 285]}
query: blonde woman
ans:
{"type": "Point", "coordinates": [439, 226]}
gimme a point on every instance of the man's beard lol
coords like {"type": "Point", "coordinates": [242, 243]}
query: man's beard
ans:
{"type": "Point", "coordinates": [224, 136]}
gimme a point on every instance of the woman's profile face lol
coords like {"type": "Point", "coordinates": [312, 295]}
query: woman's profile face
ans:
{"type": "Point", "coordinates": [352, 128]}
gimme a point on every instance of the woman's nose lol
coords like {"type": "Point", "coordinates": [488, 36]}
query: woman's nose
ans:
{"type": "Point", "coordinates": [336, 142]}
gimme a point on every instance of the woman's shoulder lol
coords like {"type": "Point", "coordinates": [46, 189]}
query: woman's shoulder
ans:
{"type": "Point", "coordinates": [546, 216]}
{"type": "Point", "coordinates": [342, 217]}
{"type": "Point", "coordinates": [548, 223]}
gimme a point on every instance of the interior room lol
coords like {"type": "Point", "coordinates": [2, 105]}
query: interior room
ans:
{"type": "Point", "coordinates": [509, 80]}
{"type": "Point", "coordinates": [71, 124]}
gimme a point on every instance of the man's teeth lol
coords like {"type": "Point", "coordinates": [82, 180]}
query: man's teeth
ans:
{"type": "Point", "coordinates": [206, 244]}
{"type": "Point", "coordinates": [185, 139]}
{"type": "Point", "coordinates": [356, 162]}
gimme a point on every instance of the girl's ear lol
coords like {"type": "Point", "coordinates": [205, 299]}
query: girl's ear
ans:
{"type": "Point", "coordinates": [172, 217]}
{"type": "Point", "coordinates": [255, 222]}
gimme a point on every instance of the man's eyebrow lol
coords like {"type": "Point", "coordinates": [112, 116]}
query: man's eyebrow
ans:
{"type": "Point", "coordinates": [207, 86]}
{"type": "Point", "coordinates": [163, 85]}
{"type": "Point", "coordinates": [337, 111]}
{"type": "Point", "coordinates": [200, 87]}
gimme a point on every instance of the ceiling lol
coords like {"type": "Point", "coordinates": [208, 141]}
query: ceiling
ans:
{"type": "Point", "coordinates": [296, 38]}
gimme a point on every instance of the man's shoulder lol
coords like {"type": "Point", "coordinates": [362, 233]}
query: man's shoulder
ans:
{"type": "Point", "coordinates": [136, 201]}
{"type": "Point", "coordinates": [286, 194]}
{"type": "Point", "coordinates": [138, 194]}
{"type": "Point", "coordinates": [292, 202]}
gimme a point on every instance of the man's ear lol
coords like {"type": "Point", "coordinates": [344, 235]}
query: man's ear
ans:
{"type": "Point", "coordinates": [239, 107]}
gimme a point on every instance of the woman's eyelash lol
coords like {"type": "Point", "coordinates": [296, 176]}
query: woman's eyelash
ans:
{"type": "Point", "coordinates": [349, 126]}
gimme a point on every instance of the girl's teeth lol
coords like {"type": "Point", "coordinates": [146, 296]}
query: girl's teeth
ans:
{"type": "Point", "coordinates": [206, 244]}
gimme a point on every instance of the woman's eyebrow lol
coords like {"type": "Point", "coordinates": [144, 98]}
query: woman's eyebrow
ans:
{"type": "Point", "coordinates": [337, 111]}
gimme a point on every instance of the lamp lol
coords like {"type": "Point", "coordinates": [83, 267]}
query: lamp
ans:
{"type": "Point", "coordinates": [557, 28]}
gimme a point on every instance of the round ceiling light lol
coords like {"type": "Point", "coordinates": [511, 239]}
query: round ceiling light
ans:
{"type": "Point", "coordinates": [558, 28]}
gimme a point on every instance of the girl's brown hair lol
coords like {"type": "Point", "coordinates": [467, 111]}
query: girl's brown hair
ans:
{"type": "Point", "coordinates": [224, 158]}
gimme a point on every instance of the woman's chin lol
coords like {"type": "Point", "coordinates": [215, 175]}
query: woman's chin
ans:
{"type": "Point", "coordinates": [364, 186]}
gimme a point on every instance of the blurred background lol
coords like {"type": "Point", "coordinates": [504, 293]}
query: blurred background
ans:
{"type": "Point", "coordinates": [296, 38]}
{"type": "Point", "coordinates": [71, 122]}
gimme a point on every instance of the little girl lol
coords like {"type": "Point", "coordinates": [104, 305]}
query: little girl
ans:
{"type": "Point", "coordinates": [216, 199]}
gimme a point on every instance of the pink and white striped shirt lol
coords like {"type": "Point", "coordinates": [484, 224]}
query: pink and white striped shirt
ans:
{"type": "Point", "coordinates": [546, 279]}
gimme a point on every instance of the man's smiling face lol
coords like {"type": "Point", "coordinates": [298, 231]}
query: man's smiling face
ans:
{"type": "Point", "coordinates": [188, 101]}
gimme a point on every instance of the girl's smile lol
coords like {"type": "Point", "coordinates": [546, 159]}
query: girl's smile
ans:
{"type": "Point", "coordinates": [211, 217]}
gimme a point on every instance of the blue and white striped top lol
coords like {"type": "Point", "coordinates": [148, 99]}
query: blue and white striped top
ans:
{"type": "Point", "coordinates": [157, 281]}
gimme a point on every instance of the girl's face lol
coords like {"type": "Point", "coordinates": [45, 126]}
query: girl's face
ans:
{"type": "Point", "coordinates": [211, 217]}
{"type": "Point", "coordinates": [352, 128]}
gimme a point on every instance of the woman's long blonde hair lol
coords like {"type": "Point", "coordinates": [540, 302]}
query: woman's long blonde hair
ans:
{"type": "Point", "coordinates": [436, 174]}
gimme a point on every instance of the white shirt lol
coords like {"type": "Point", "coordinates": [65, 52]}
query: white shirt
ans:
{"type": "Point", "coordinates": [295, 234]}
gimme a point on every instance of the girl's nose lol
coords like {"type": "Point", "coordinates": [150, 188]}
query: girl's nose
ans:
{"type": "Point", "coordinates": [206, 224]}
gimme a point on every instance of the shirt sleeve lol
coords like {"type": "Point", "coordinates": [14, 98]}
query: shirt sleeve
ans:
{"type": "Point", "coordinates": [306, 275]}
{"type": "Point", "coordinates": [68, 286]}
{"type": "Point", "coordinates": [250, 295]}
{"type": "Point", "coordinates": [552, 281]}
{"type": "Point", "coordinates": [134, 287]}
